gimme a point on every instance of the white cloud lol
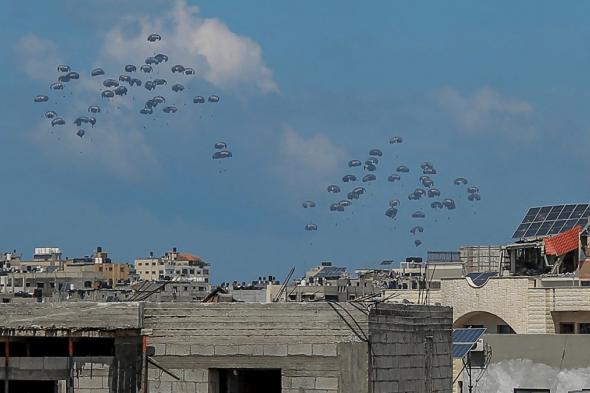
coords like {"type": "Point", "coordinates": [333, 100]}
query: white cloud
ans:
{"type": "Point", "coordinates": [485, 109]}
{"type": "Point", "coordinates": [114, 145]}
{"type": "Point", "coordinates": [39, 56]}
{"type": "Point", "coordinates": [308, 161]}
{"type": "Point", "coordinates": [220, 56]}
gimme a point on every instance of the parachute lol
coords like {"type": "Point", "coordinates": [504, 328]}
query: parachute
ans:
{"type": "Point", "coordinates": [334, 189]}
{"type": "Point", "coordinates": [308, 204]}
{"type": "Point", "coordinates": [222, 154]}
{"type": "Point", "coordinates": [97, 72]}
{"type": "Point", "coordinates": [41, 98]}
{"type": "Point", "coordinates": [177, 87]}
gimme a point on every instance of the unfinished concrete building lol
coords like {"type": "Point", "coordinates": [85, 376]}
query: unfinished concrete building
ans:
{"type": "Point", "coordinates": [225, 347]}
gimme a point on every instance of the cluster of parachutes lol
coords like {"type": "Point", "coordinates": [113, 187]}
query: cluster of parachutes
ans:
{"type": "Point", "coordinates": [120, 86]}
{"type": "Point", "coordinates": [221, 151]}
{"type": "Point", "coordinates": [426, 189]}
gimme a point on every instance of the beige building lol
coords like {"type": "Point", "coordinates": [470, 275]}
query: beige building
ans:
{"type": "Point", "coordinates": [525, 305]}
{"type": "Point", "coordinates": [173, 265]}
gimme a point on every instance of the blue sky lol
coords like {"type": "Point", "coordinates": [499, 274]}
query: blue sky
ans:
{"type": "Point", "coordinates": [495, 92]}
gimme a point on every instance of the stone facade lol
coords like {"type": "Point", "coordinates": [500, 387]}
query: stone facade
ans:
{"type": "Point", "coordinates": [521, 302]}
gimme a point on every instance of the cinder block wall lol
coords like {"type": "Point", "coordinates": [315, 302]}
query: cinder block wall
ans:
{"type": "Point", "coordinates": [312, 345]}
{"type": "Point", "coordinates": [411, 348]}
{"type": "Point", "coordinates": [319, 347]}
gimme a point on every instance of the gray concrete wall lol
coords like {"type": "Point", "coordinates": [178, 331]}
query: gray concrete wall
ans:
{"type": "Point", "coordinates": [411, 348]}
{"type": "Point", "coordinates": [21, 318]}
{"type": "Point", "coordinates": [319, 347]}
{"type": "Point", "coordinates": [310, 343]}
{"type": "Point", "coordinates": [557, 362]}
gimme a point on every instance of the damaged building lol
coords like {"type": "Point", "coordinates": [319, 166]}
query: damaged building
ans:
{"type": "Point", "coordinates": [225, 347]}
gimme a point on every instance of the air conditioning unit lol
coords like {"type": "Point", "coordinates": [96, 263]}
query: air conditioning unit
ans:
{"type": "Point", "coordinates": [479, 346]}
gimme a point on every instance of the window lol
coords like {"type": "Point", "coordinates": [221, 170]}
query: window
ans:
{"type": "Point", "coordinates": [567, 328]}
{"type": "Point", "coordinates": [524, 390]}
{"type": "Point", "coordinates": [100, 269]}
{"type": "Point", "coordinates": [192, 271]}
{"type": "Point", "coordinates": [205, 271]}
{"type": "Point", "coordinates": [87, 284]}
{"type": "Point", "coordinates": [139, 264]}
{"type": "Point", "coordinates": [41, 285]}
{"type": "Point", "coordinates": [154, 273]}
{"type": "Point", "coordinates": [28, 284]}
{"type": "Point", "coordinates": [184, 271]}
{"type": "Point", "coordinates": [185, 288]}
{"type": "Point", "coordinates": [585, 328]}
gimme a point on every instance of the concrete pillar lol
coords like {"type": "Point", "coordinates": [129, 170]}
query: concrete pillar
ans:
{"type": "Point", "coordinates": [6, 364]}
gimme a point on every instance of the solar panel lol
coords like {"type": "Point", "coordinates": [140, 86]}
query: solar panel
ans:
{"type": "Point", "coordinates": [464, 339]}
{"type": "Point", "coordinates": [331, 272]}
{"type": "Point", "coordinates": [460, 350]}
{"type": "Point", "coordinates": [479, 279]}
{"type": "Point", "coordinates": [551, 220]}
{"type": "Point", "coordinates": [467, 335]}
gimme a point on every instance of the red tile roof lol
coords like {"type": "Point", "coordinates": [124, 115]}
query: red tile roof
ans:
{"type": "Point", "coordinates": [564, 242]}
{"type": "Point", "coordinates": [185, 256]}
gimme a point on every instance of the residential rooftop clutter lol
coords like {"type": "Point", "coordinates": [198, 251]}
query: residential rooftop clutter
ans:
{"type": "Point", "coordinates": [49, 275]}
{"type": "Point", "coordinates": [532, 297]}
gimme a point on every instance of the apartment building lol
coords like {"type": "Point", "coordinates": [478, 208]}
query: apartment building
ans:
{"type": "Point", "coordinates": [173, 265]}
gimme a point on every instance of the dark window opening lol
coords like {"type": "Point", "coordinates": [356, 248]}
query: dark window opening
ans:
{"type": "Point", "coordinates": [246, 380]}
{"type": "Point", "coordinates": [504, 329]}
{"type": "Point", "coordinates": [567, 328]}
{"type": "Point", "coordinates": [584, 328]}
{"type": "Point", "coordinates": [58, 347]}
{"type": "Point", "coordinates": [525, 390]}
{"type": "Point", "coordinates": [30, 386]}
{"type": "Point", "coordinates": [104, 346]}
